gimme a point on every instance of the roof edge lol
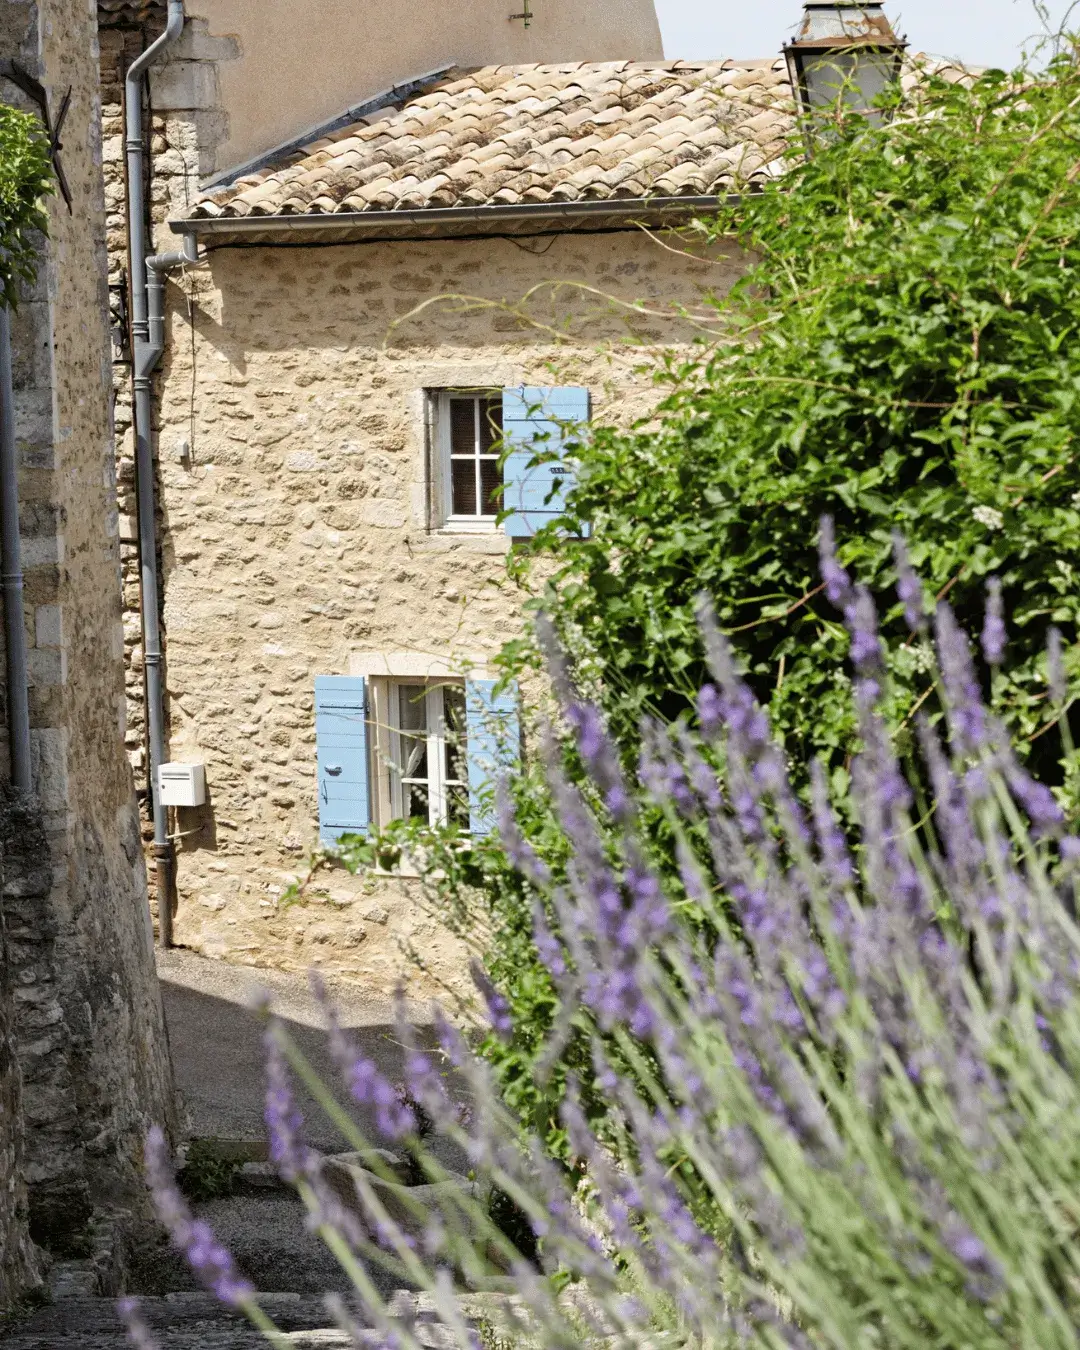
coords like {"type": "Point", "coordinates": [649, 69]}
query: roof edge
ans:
{"type": "Point", "coordinates": [445, 221]}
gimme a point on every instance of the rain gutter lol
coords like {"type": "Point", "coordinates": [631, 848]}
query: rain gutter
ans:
{"type": "Point", "coordinates": [444, 221]}
{"type": "Point", "coordinates": [147, 333]}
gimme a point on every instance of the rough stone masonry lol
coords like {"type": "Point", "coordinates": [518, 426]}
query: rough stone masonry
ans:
{"type": "Point", "coordinates": [85, 1031]}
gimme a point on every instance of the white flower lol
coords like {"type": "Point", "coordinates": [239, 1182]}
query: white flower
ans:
{"type": "Point", "coordinates": [1075, 499]}
{"type": "Point", "coordinates": [989, 516]}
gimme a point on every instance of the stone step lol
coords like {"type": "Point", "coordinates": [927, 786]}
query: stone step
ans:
{"type": "Point", "coordinates": [197, 1321]}
{"type": "Point", "coordinates": [183, 1321]}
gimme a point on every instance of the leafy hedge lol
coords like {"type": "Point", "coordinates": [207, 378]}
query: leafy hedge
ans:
{"type": "Point", "coordinates": [25, 179]}
{"type": "Point", "coordinates": [904, 356]}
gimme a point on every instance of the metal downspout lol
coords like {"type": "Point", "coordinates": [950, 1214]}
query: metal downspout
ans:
{"type": "Point", "coordinates": [146, 357]}
{"type": "Point", "coordinates": [11, 577]}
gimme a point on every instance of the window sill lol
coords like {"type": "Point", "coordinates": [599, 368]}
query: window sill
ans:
{"type": "Point", "coordinates": [446, 539]}
{"type": "Point", "coordinates": [483, 527]}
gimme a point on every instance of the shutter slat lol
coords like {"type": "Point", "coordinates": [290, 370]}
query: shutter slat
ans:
{"type": "Point", "coordinates": [493, 733]}
{"type": "Point", "coordinates": [341, 749]}
{"type": "Point", "coordinates": [538, 421]}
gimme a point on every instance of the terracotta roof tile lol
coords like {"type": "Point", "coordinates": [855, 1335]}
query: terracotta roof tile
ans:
{"type": "Point", "coordinates": [504, 134]}
{"type": "Point", "coordinates": [129, 13]}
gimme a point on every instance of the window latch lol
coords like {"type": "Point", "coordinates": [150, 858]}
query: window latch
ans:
{"type": "Point", "coordinates": [334, 769]}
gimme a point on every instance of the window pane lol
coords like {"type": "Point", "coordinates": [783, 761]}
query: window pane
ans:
{"type": "Point", "coordinates": [463, 487]}
{"type": "Point", "coordinates": [412, 707]}
{"type": "Point", "coordinates": [490, 423]}
{"type": "Point", "coordinates": [414, 801]}
{"type": "Point", "coordinates": [457, 769]}
{"type": "Point", "coordinates": [490, 483]}
{"type": "Point", "coordinates": [463, 426]}
{"type": "Point", "coordinates": [412, 719]}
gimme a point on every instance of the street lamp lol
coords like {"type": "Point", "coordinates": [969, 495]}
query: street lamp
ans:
{"type": "Point", "coordinates": [845, 56]}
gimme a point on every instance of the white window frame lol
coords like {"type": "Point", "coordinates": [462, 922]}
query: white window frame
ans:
{"type": "Point", "coordinates": [442, 482]}
{"type": "Point", "coordinates": [387, 748]}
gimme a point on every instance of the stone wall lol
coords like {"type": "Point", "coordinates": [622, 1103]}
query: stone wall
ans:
{"type": "Point", "coordinates": [88, 1013]}
{"type": "Point", "coordinates": [293, 496]}
{"type": "Point", "coordinates": [19, 1265]}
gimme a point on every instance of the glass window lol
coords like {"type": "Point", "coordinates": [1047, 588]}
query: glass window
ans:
{"type": "Point", "coordinates": [427, 769]}
{"type": "Point", "coordinates": [475, 430]}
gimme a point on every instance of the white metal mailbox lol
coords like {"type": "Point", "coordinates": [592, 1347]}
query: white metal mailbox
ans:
{"type": "Point", "coordinates": [182, 784]}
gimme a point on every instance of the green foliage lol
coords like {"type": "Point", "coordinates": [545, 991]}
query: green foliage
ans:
{"type": "Point", "coordinates": [902, 356]}
{"type": "Point", "coordinates": [207, 1174]}
{"type": "Point", "coordinates": [25, 178]}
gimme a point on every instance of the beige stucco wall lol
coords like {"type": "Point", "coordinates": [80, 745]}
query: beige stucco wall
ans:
{"type": "Point", "coordinates": [299, 62]}
{"type": "Point", "coordinates": [292, 472]}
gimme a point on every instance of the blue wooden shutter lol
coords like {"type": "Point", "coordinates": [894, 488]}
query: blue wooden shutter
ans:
{"type": "Point", "coordinates": [341, 744]}
{"type": "Point", "coordinates": [493, 737]}
{"type": "Point", "coordinates": [535, 423]}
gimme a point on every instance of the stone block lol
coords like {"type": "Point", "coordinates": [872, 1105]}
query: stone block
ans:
{"type": "Point", "coordinates": [382, 513]}
{"type": "Point", "coordinates": [42, 550]}
{"type": "Point", "coordinates": [49, 625]}
{"type": "Point", "coordinates": [46, 666]}
{"type": "Point", "coordinates": [198, 44]}
{"type": "Point", "coordinates": [49, 760]}
{"type": "Point", "coordinates": [184, 85]}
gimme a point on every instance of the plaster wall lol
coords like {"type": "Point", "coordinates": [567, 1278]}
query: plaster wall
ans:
{"type": "Point", "coordinates": [296, 64]}
{"type": "Point", "coordinates": [296, 534]}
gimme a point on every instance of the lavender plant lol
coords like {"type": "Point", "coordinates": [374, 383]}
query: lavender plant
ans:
{"type": "Point", "coordinates": [842, 1079]}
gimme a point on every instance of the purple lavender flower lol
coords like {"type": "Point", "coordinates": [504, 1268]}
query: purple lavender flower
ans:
{"type": "Point", "coordinates": [600, 758]}
{"type": "Point", "coordinates": [710, 714]}
{"type": "Point", "coordinates": [967, 716]}
{"type": "Point", "coordinates": [663, 776]}
{"type": "Point", "coordinates": [283, 1120]}
{"type": "Point", "coordinates": [522, 855]}
{"type": "Point", "coordinates": [548, 946]}
{"type": "Point", "coordinates": [909, 587]}
{"type": "Point", "coordinates": [498, 1007]}
{"type": "Point", "coordinates": [861, 619]}
{"type": "Point", "coordinates": [1042, 810]}
{"type": "Point", "coordinates": [1055, 668]}
{"type": "Point", "coordinates": [209, 1260]}
{"type": "Point", "coordinates": [367, 1085]}
{"type": "Point", "coordinates": [138, 1330]}
{"type": "Point", "coordinates": [994, 636]}
{"type": "Point", "coordinates": [837, 582]}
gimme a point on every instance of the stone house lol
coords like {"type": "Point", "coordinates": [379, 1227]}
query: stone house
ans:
{"type": "Point", "coordinates": [340, 364]}
{"type": "Point", "coordinates": [83, 1056]}
{"type": "Point", "coordinates": [377, 300]}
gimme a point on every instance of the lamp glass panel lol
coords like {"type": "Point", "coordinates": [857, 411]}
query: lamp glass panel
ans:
{"type": "Point", "coordinates": [857, 76]}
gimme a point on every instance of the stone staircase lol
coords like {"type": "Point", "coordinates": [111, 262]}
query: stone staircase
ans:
{"type": "Point", "coordinates": [179, 1321]}
{"type": "Point", "coordinates": [197, 1321]}
{"type": "Point", "coordinates": [262, 1223]}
